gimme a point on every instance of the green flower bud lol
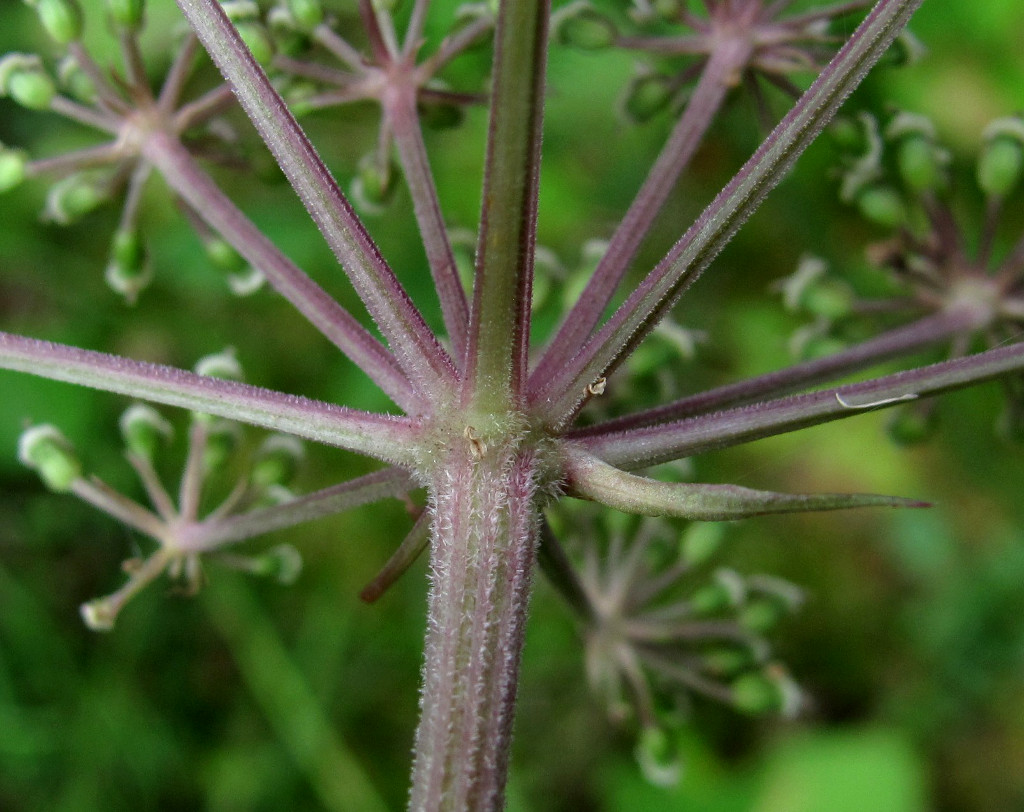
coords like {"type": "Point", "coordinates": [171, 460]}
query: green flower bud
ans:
{"type": "Point", "coordinates": [50, 454]}
{"type": "Point", "coordinates": [283, 563]}
{"type": "Point", "coordinates": [829, 299]}
{"type": "Point", "coordinates": [919, 164]}
{"type": "Point", "coordinates": [24, 80]}
{"type": "Point", "coordinates": [771, 691]}
{"type": "Point", "coordinates": [246, 282]}
{"type": "Point", "coordinates": [12, 167]}
{"type": "Point", "coordinates": [128, 270]}
{"type": "Point", "coordinates": [75, 80]}
{"type": "Point", "coordinates": [222, 441]}
{"type": "Point", "coordinates": [761, 614]}
{"type": "Point", "coordinates": [223, 364]}
{"type": "Point", "coordinates": [919, 160]}
{"type": "Point", "coordinates": [647, 96]}
{"type": "Point", "coordinates": [223, 255]}
{"type": "Point", "coordinates": [726, 661]}
{"type": "Point", "coordinates": [439, 115]}
{"type": "Point", "coordinates": [144, 430]}
{"type": "Point", "coordinates": [912, 425]}
{"type": "Point", "coordinates": [700, 541]}
{"type": "Point", "coordinates": [245, 15]}
{"type": "Point", "coordinates": [99, 615]}
{"type": "Point", "coordinates": [579, 25]}
{"type": "Point", "coordinates": [882, 205]}
{"type": "Point", "coordinates": [307, 13]}
{"type": "Point", "coordinates": [658, 757]}
{"type": "Point", "coordinates": [127, 13]}
{"type": "Point", "coordinates": [62, 19]}
{"type": "Point", "coordinates": [1001, 163]}
{"type": "Point", "coordinates": [277, 461]}
{"type": "Point", "coordinates": [257, 40]}
{"type": "Point", "coordinates": [756, 693]}
{"type": "Point", "coordinates": [726, 591]}
{"type": "Point", "coordinates": [374, 184]}
{"type": "Point", "coordinates": [73, 197]}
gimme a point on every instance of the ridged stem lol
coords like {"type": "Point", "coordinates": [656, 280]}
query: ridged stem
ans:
{"type": "Point", "coordinates": [482, 549]}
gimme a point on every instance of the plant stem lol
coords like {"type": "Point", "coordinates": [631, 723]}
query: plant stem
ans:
{"type": "Point", "coordinates": [559, 398]}
{"type": "Point", "coordinates": [482, 549]}
{"type": "Point", "coordinates": [675, 156]}
{"type": "Point", "coordinates": [400, 109]}
{"type": "Point", "coordinates": [500, 318]}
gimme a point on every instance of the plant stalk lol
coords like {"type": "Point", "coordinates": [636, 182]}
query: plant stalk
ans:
{"type": "Point", "coordinates": [484, 535]}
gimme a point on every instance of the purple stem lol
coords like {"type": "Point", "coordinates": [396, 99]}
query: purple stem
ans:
{"type": "Point", "coordinates": [499, 330]}
{"type": "Point", "coordinates": [559, 397]}
{"type": "Point", "coordinates": [898, 342]}
{"type": "Point", "coordinates": [400, 110]}
{"type": "Point", "coordinates": [184, 175]}
{"type": "Point", "coordinates": [392, 439]}
{"type": "Point", "coordinates": [674, 158]}
{"type": "Point", "coordinates": [390, 482]}
{"type": "Point", "coordinates": [418, 352]}
{"type": "Point", "coordinates": [638, 448]}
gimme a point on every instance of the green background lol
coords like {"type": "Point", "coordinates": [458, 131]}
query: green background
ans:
{"type": "Point", "coordinates": [255, 696]}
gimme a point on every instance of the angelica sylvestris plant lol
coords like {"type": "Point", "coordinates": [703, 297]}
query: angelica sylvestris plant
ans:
{"type": "Point", "coordinates": [491, 429]}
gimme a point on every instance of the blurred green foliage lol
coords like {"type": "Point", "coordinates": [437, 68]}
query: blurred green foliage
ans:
{"type": "Point", "coordinates": [255, 696]}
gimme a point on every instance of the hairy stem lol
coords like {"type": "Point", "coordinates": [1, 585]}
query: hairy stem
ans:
{"type": "Point", "coordinates": [661, 179]}
{"type": "Point", "coordinates": [482, 549]}
{"type": "Point", "coordinates": [500, 318]}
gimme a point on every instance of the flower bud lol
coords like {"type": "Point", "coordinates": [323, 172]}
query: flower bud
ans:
{"type": "Point", "coordinates": [223, 255]}
{"type": "Point", "coordinates": [99, 615]}
{"type": "Point", "coordinates": [277, 461]}
{"type": "Point", "coordinates": [756, 693]}
{"type": "Point", "coordinates": [647, 96]}
{"type": "Point", "coordinates": [283, 563]}
{"type": "Point", "coordinates": [580, 25]}
{"type": "Point", "coordinates": [439, 115]}
{"type": "Point", "coordinates": [882, 205]}
{"type": "Point", "coordinates": [761, 614]}
{"type": "Point", "coordinates": [724, 661]}
{"type": "Point", "coordinates": [919, 160]}
{"type": "Point", "coordinates": [76, 81]}
{"type": "Point", "coordinates": [245, 15]}
{"type": "Point", "coordinates": [1001, 163]}
{"type": "Point", "coordinates": [128, 271]}
{"type": "Point", "coordinates": [50, 454]}
{"type": "Point", "coordinates": [727, 590]}
{"type": "Point", "coordinates": [12, 167]}
{"type": "Point", "coordinates": [222, 440]}
{"type": "Point", "coordinates": [700, 541]}
{"type": "Point", "coordinates": [658, 757]}
{"type": "Point", "coordinates": [912, 425]}
{"type": "Point", "coordinates": [223, 364]}
{"type": "Point", "coordinates": [24, 80]}
{"type": "Point", "coordinates": [73, 197]}
{"type": "Point", "coordinates": [127, 14]}
{"type": "Point", "coordinates": [144, 430]}
{"type": "Point", "coordinates": [374, 184]}
{"type": "Point", "coordinates": [307, 13]}
{"type": "Point", "coordinates": [62, 19]}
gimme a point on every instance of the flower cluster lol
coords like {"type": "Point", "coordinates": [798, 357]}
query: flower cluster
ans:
{"type": "Point", "coordinates": [751, 42]}
{"type": "Point", "coordinates": [957, 286]}
{"type": "Point", "coordinates": [390, 74]}
{"type": "Point", "coordinates": [185, 533]}
{"type": "Point", "coordinates": [121, 105]}
{"type": "Point", "coordinates": [661, 625]}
